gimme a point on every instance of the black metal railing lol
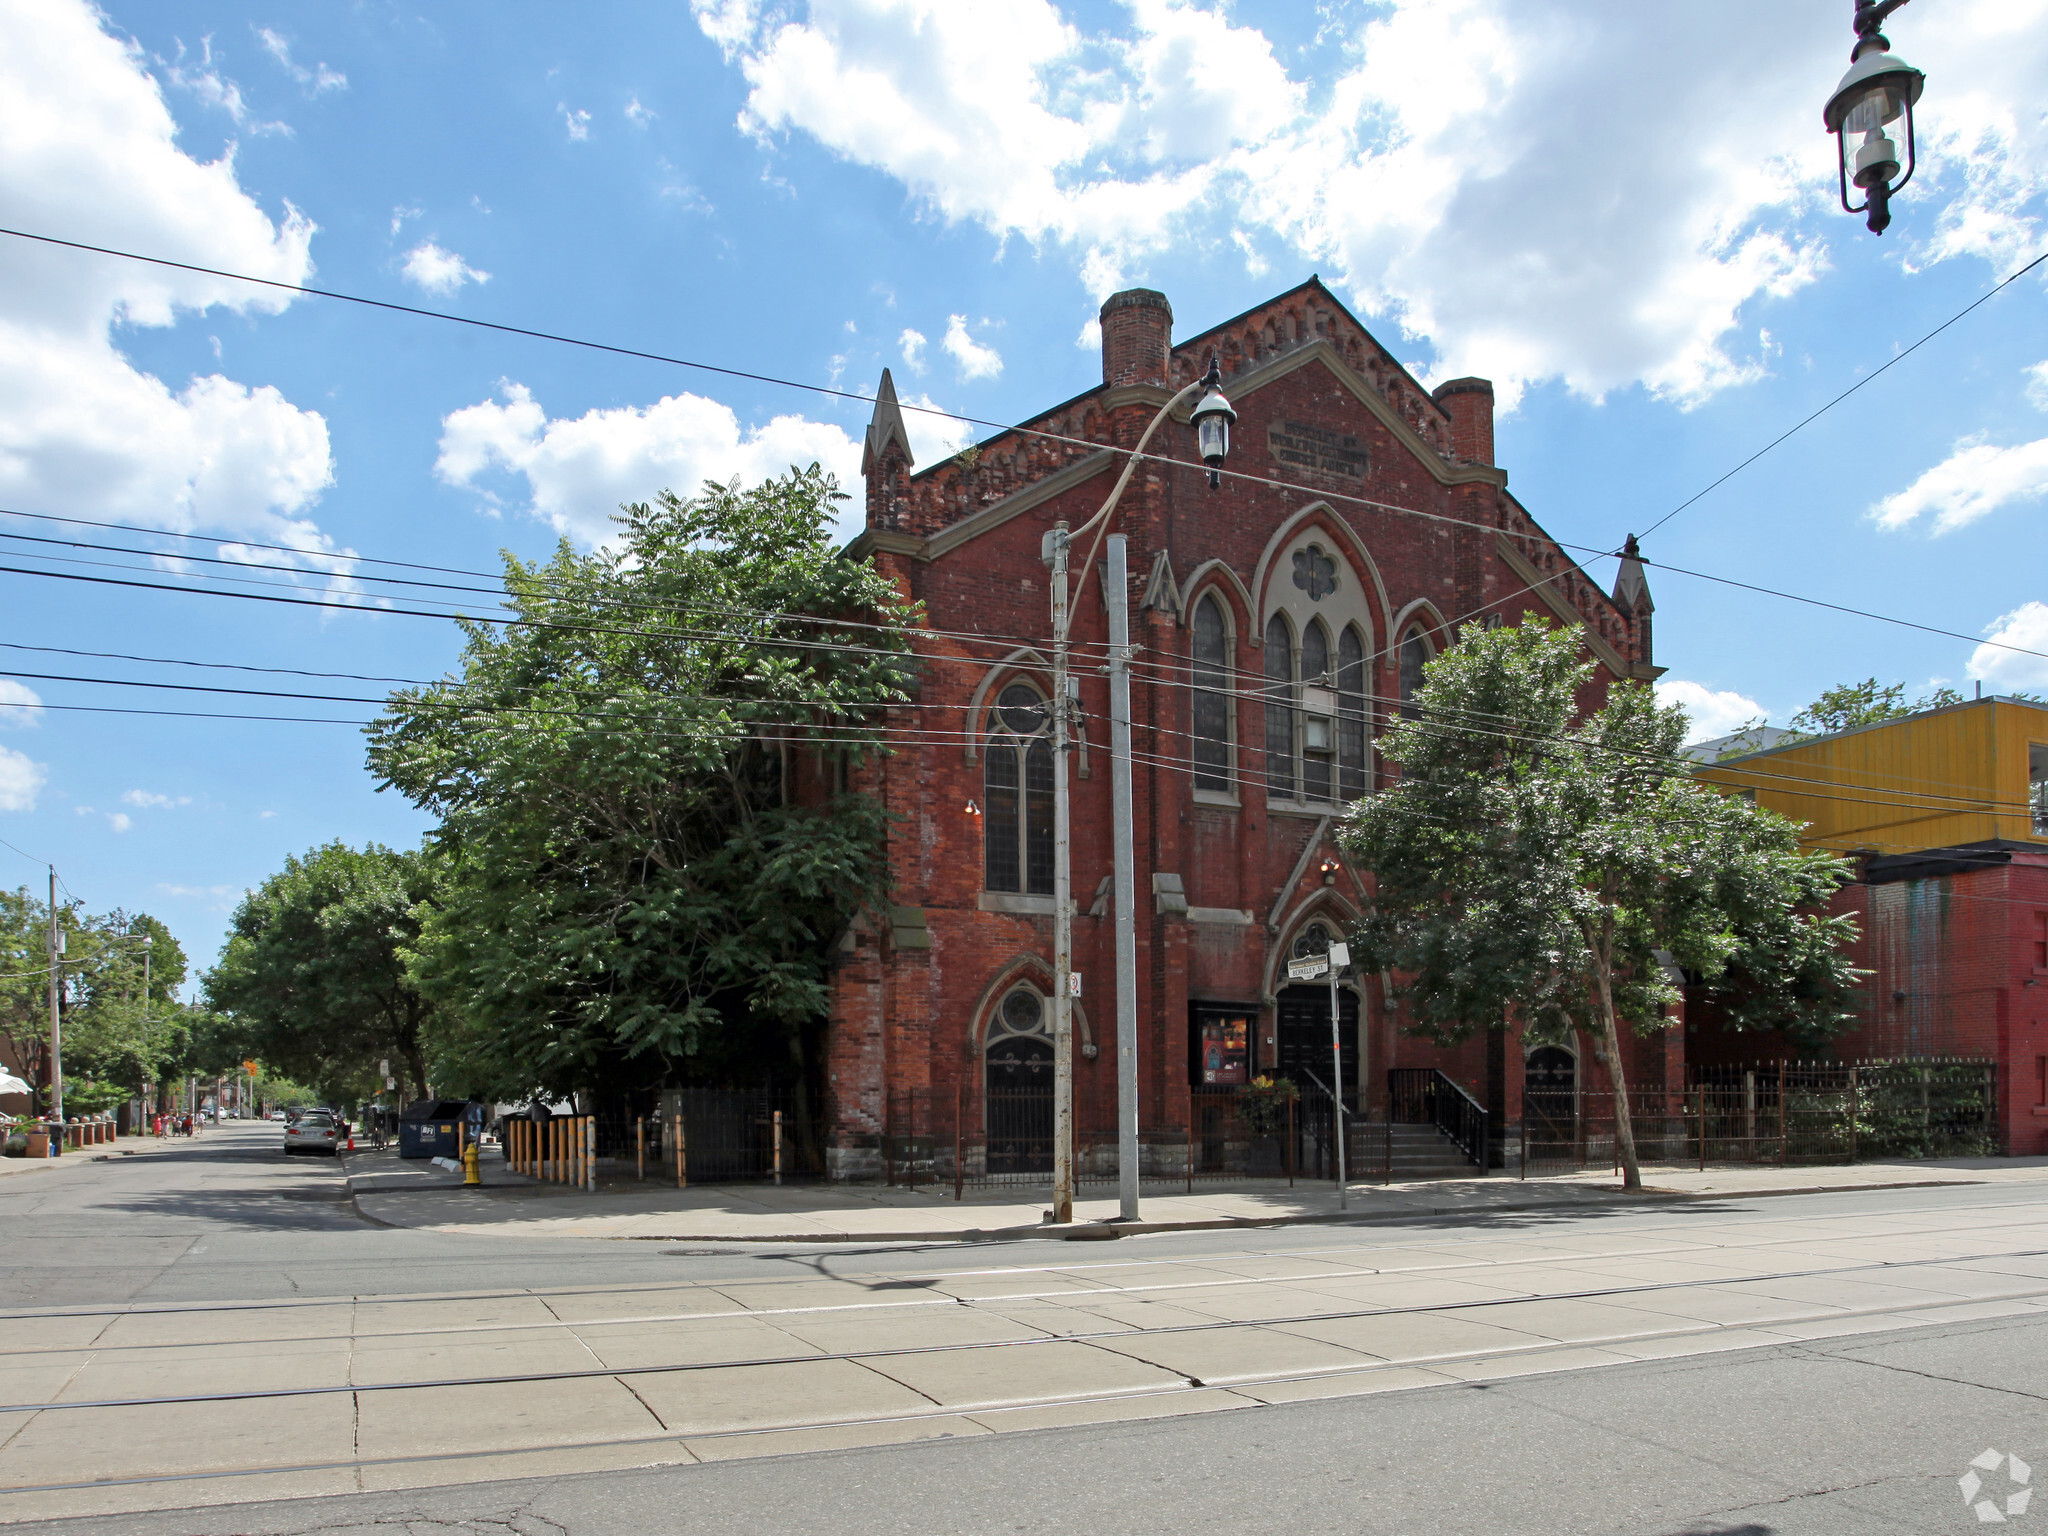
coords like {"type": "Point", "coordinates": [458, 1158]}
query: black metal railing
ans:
{"type": "Point", "coordinates": [1428, 1096]}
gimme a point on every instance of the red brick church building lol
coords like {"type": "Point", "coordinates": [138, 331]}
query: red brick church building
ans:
{"type": "Point", "coordinates": [1390, 526]}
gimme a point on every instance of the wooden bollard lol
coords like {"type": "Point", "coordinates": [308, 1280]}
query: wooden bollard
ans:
{"type": "Point", "coordinates": [778, 1146]}
{"type": "Point", "coordinates": [682, 1158]}
{"type": "Point", "coordinates": [640, 1144]}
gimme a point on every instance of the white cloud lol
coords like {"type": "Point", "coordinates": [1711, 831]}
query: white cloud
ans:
{"type": "Point", "coordinates": [1973, 482]}
{"type": "Point", "coordinates": [21, 780]}
{"type": "Point", "coordinates": [912, 343]}
{"type": "Point", "coordinates": [1713, 712]}
{"type": "Point", "coordinates": [189, 891]}
{"type": "Point", "coordinates": [578, 471]}
{"type": "Point", "coordinates": [202, 77]}
{"type": "Point", "coordinates": [438, 271]}
{"type": "Point", "coordinates": [1537, 191]}
{"type": "Point", "coordinates": [120, 821]}
{"type": "Point", "coordinates": [2010, 671]}
{"type": "Point", "coordinates": [315, 80]}
{"type": "Point", "coordinates": [143, 799]}
{"type": "Point", "coordinates": [636, 114]}
{"type": "Point", "coordinates": [1090, 339]}
{"type": "Point", "coordinates": [88, 147]}
{"type": "Point", "coordinates": [976, 361]}
{"type": "Point", "coordinates": [577, 121]}
{"type": "Point", "coordinates": [19, 703]}
{"type": "Point", "coordinates": [2037, 386]}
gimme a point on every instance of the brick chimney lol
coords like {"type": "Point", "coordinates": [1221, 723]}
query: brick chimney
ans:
{"type": "Point", "coordinates": [1137, 336]}
{"type": "Point", "coordinates": [1469, 404]}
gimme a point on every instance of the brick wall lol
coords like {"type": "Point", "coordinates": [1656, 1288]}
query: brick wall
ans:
{"type": "Point", "coordinates": [1296, 367]}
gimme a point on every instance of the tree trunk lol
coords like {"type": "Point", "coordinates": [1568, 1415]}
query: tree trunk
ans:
{"type": "Point", "coordinates": [1624, 1127]}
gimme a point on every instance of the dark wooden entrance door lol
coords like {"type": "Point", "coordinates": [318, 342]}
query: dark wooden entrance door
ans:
{"type": "Point", "coordinates": [1303, 1038]}
{"type": "Point", "coordinates": [1019, 1103]}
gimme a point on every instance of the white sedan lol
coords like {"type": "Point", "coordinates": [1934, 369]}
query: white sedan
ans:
{"type": "Point", "coordinates": [312, 1133]}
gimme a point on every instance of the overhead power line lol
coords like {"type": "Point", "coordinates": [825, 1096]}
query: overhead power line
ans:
{"type": "Point", "coordinates": [1799, 426]}
{"type": "Point", "coordinates": [1008, 427]}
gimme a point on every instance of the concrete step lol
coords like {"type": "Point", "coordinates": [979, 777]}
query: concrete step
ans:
{"type": "Point", "coordinates": [1422, 1152]}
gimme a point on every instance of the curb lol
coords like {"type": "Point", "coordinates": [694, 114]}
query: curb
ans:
{"type": "Point", "coordinates": [1104, 1230]}
{"type": "Point", "coordinates": [1099, 1231]}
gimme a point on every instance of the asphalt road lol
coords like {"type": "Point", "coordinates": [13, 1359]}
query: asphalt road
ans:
{"type": "Point", "coordinates": [1869, 1431]}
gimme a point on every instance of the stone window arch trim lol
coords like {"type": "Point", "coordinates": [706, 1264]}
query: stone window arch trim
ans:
{"type": "Point", "coordinates": [1320, 515]}
{"type": "Point", "coordinates": [1424, 614]}
{"type": "Point", "coordinates": [1035, 972]}
{"type": "Point", "coordinates": [1238, 607]}
{"type": "Point", "coordinates": [1023, 665]}
{"type": "Point", "coordinates": [1331, 908]}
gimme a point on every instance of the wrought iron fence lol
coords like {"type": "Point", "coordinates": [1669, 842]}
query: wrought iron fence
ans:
{"type": "Point", "coordinates": [1784, 1113]}
{"type": "Point", "coordinates": [952, 1138]}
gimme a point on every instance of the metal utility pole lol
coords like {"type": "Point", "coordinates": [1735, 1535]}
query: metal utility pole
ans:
{"type": "Point", "coordinates": [1117, 593]}
{"type": "Point", "coordinates": [1340, 956]}
{"type": "Point", "coordinates": [56, 1023]}
{"type": "Point", "coordinates": [1062, 901]}
{"type": "Point", "coordinates": [1211, 418]}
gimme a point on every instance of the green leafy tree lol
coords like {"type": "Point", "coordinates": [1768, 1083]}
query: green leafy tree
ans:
{"type": "Point", "coordinates": [634, 875]}
{"type": "Point", "coordinates": [24, 982]}
{"type": "Point", "coordinates": [117, 1038]}
{"type": "Point", "coordinates": [314, 974]}
{"type": "Point", "coordinates": [1869, 702]}
{"type": "Point", "coordinates": [1539, 862]}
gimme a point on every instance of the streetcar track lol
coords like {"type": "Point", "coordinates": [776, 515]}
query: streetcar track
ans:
{"type": "Point", "coordinates": [1122, 1333]}
{"type": "Point", "coordinates": [947, 1302]}
{"type": "Point", "coordinates": [169, 1309]}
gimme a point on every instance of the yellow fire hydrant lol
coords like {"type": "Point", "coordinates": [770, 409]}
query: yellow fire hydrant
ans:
{"type": "Point", "coordinates": [470, 1178]}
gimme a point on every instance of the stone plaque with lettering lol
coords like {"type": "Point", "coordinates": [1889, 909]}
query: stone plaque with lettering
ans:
{"type": "Point", "coordinates": [1306, 448]}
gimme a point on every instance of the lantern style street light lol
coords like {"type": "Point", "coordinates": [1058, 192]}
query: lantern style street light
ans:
{"type": "Point", "coordinates": [1212, 419]}
{"type": "Point", "coordinates": [1878, 91]}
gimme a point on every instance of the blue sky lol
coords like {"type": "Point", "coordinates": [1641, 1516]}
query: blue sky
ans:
{"type": "Point", "coordinates": [1622, 216]}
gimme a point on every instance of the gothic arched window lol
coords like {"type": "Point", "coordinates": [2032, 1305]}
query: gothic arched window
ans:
{"type": "Point", "coordinates": [1279, 708]}
{"type": "Point", "coordinates": [1351, 719]}
{"type": "Point", "coordinates": [1414, 653]}
{"type": "Point", "coordinates": [1017, 794]}
{"type": "Point", "coordinates": [1211, 697]}
{"type": "Point", "coordinates": [1318, 743]}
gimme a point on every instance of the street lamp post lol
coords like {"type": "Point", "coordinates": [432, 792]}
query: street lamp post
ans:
{"type": "Point", "coordinates": [1211, 418]}
{"type": "Point", "coordinates": [1879, 90]}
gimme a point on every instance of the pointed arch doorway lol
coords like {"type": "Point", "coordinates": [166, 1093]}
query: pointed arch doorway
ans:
{"type": "Point", "coordinates": [1301, 1041]}
{"type": "Point", "coordinates": [1017, 1085]}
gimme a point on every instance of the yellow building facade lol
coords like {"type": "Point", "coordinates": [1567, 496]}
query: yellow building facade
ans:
{"type": "Point", "coordinates": [1969, 773]}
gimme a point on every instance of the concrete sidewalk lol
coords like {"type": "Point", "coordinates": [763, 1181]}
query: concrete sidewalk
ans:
{"type": "Point", "coordinates": [419, 1195]}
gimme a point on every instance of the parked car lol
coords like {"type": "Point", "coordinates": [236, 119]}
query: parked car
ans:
{"type": "Point", "coordinates": [313, 1132]}
{"type": "Point", "coordinates": [277, 1114]}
